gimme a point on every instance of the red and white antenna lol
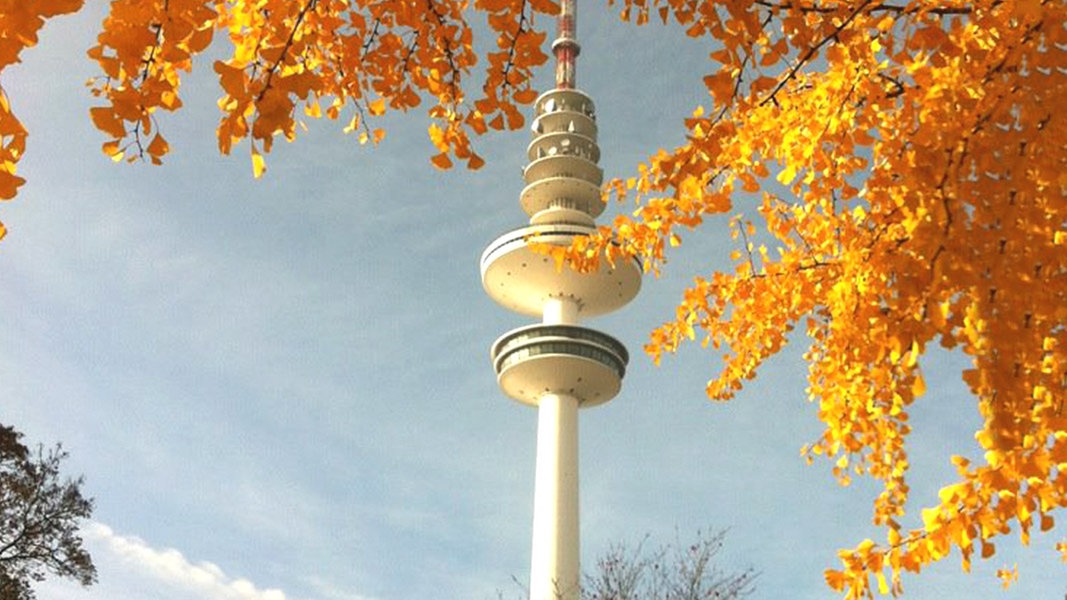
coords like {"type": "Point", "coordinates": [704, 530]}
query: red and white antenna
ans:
{"type": "Point", "coordinates": [566, 46]}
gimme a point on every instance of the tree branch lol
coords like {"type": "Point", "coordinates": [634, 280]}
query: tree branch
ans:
{"type": "Point", "coordinates": [309, 6]}
{"type": "Point", "coordinates": [893, 8]}
{"type": "Point", "coordinates": [813, 51]}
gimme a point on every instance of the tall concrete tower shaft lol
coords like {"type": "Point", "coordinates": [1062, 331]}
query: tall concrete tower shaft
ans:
{"type": "Point", "coordinates": [557, 365]}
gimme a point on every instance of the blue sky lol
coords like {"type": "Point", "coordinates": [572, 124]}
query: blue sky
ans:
{"type": "Point", "coordinates": [280, 389]}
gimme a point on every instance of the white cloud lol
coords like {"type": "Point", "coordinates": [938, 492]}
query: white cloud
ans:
{"type": "Point", "coordinates": [206, 580]}
{"type": "Point", "coordinates": [130, 569]}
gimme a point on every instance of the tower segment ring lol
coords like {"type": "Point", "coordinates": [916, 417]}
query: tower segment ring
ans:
{"type": "Point", "coordinates": [563, 165]}
{"type": "Point", "coordinates": [563, 192]}
{"type": "Point", "coordinates": [566, 143]}
{"type": "Point", "coordinates": [565, 100]}
{"type": "Point", "coordinates": [575, 122]}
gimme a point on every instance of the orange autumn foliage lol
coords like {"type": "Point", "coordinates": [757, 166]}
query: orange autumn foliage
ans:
{"type": "Point", "coordinates": [911, 175]}
{"type": "Point", "coordinates": [907, 159]}
{"type": "Point", "coordinates": [19, 23]}
{"type": "Point", "coordinates": [342, 59]}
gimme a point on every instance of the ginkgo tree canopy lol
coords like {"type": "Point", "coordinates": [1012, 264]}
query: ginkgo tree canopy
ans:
{"type": "Point", "coordinates": [895, 172]}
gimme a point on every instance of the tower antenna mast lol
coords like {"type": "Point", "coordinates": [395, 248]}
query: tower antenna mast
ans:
{"type": "Point", "coordinates": [565, 46]}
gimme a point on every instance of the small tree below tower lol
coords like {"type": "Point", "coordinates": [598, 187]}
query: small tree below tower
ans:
{"type": "Point", "coordinates": [40, 514]}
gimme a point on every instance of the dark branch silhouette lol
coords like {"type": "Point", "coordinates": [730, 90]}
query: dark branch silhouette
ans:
{"type": "Point", "coordinates": [40, 513]}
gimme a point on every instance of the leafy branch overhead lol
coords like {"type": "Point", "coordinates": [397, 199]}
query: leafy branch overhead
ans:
{"type": "Point", "coordinates": [345, 60]}
{"type": "Point", "coordinates": [906, 165]}
{"type": "Point", "coordinates": [899, 168]}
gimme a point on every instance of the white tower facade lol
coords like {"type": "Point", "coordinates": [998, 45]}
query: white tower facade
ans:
{"type": "Point", "coordinates": [558, 366]}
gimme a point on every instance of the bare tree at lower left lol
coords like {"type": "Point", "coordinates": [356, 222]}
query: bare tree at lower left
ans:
{"type": "Point", "coordinates": [40, 516]}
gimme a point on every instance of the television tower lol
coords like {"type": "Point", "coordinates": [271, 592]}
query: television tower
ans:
{"type": "Point", "coordinates": [558, 366]}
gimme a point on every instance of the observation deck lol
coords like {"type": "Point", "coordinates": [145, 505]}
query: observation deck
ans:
{"type": "Point", "coordinates": [522, 279]}
{"type": "Point", "coordinates": [559, 359]}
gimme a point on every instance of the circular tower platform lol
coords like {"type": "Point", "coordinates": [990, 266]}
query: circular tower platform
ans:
{"type": "Point", "coordinates": [559, 359]}
{"type": "Point", "coordinates": [522, 279]}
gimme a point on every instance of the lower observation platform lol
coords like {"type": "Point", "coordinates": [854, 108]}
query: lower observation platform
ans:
{"type": "Point", "coordinates": [560, 359]}
{"type": "Point", "coordinates": [523, 280]}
